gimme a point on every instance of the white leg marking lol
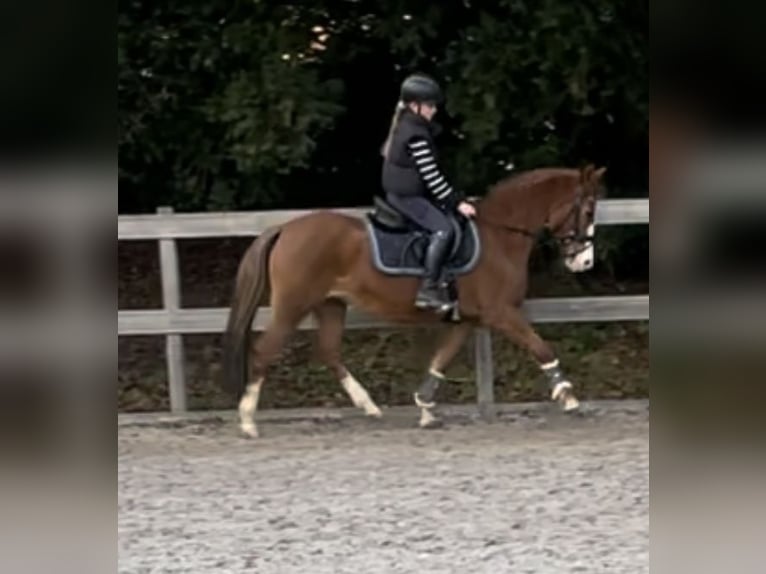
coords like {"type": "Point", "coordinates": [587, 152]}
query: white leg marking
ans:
{"type": "Point", "coordinates": [359, 396]}
{"type": "Point", "coordinates": [247, 407]}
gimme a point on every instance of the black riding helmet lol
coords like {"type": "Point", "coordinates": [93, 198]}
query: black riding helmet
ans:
{"type": "Point", "coordinates": [420, 88]}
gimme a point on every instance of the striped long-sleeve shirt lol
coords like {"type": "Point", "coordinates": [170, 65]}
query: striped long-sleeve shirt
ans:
{"type": "Point", "coordinates": [435, 181]}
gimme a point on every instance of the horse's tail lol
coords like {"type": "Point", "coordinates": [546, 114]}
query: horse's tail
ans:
{"type": "Point", "coordinates": [251, 284]}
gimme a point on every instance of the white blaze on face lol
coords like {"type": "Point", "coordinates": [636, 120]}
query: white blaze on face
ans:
{"type": "Point", "coordinates": [582, 261]}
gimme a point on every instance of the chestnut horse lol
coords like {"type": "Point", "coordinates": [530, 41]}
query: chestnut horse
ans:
{"type": "Point", "coordinates": [317, 264]}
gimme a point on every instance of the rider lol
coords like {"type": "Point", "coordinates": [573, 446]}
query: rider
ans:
{"type": "Point", "coordinates": [415, 185]}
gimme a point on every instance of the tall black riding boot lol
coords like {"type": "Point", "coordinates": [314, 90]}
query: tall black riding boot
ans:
{"type": "Point", "coordinates": [431, 294]}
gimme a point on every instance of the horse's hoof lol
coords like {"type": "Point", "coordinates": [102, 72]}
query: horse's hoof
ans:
{"type": "Point", "coordinates": [565, 396]}
{"type": "Point", "coordinates": [373, 411]}
{"type": "Point", "coordinates": [571, 404]}
{"type": "Point", "coordinates": [248, 431]}
{"type": "Point", "coordinates": [429, 421]}
{"type": "Point", "coordinates": [431, 425]}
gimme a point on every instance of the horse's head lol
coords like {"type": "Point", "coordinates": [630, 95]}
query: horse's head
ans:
{"type": "Point", "coordinates": [572, 221]}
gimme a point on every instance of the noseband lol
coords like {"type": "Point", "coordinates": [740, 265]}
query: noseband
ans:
{"type": "Point", "coordinates": [575, 235]}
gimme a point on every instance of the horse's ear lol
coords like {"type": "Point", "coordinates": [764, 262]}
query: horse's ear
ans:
{"type": "Point", "coordinates": [586, 173]}
{"type": "Point", "coordinates": [599, 173]}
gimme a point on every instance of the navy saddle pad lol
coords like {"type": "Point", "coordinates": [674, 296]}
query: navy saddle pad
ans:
{"type": "Point", "coordinates": [399, 246]}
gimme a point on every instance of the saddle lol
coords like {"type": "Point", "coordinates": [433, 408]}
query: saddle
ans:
{"type": "Point", "coordinates": [399, 245]}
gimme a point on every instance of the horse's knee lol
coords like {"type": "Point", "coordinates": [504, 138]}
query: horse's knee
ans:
{"type": "Point", "coordinates": [331, 358]}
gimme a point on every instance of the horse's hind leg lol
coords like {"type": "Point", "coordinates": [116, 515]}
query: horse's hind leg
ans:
{"type": "Point", "coordinates": [331, 315]}
{"type": "Point", "coordinates": [265, 350]}
{"type": "Point", "coordinates": [425, 395]}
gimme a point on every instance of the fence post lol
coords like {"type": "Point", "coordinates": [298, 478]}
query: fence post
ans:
{"type": "Point", "coordinates": [171, 297]}
{"type": "Point", "coordinates": [485, 392]}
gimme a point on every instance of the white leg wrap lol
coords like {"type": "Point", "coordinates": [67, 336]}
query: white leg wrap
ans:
{"type": "Point", "coordinates": [435, 373]}
{"type": "Point", "coordinates": [548, 366]}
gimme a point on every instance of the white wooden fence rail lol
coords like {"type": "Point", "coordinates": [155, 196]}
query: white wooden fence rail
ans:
{"type": "Point", "coordinates": [173, 322]}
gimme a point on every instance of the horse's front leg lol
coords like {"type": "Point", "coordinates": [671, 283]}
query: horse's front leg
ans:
{"type": "Point", "coordinates": [425, 395]}
{"type": "Point", "coordinates": [510, 321]}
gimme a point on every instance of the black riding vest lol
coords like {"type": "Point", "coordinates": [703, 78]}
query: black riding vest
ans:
{"type": "Point", "coordinates": [400, 175]}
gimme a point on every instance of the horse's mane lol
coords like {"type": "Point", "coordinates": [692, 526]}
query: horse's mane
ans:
{"type": "Point", "coordinates": [524, 180]}
{"type": "Point", "coordinates": [527, 191]}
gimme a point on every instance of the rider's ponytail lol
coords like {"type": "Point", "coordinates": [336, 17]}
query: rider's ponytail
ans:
{"type": "Point", "coordinates": [400, 107]}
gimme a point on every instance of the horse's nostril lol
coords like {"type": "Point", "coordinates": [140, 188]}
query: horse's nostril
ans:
{"type": "Point", "coordinates": [588, 262]}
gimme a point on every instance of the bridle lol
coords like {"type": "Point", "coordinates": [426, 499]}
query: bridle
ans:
{"type": "Point", "coordinates": [575, 235]}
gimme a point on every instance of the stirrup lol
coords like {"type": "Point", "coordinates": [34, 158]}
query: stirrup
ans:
{"type": "Point", "coordinates": [432, 301]}
{"type": "Point", "coordinates": [440, 306]}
